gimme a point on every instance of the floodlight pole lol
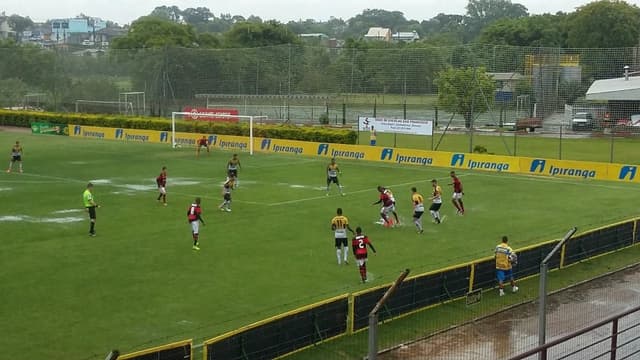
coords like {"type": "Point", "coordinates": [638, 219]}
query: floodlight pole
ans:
{"type": "Point", "coordinates": [373, 316]}
{"type": "Point", "coordinates": [542, 303]}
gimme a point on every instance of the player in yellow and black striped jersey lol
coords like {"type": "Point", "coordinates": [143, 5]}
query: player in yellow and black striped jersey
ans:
{"type": "Point", "coordinates": [340, 225]}
{"type": "Point", "coordinates": [418, 208]}
{"type": "Point", "coordinates": [232, 170]}
{"type": "Point", "coordinates": [332, 175]}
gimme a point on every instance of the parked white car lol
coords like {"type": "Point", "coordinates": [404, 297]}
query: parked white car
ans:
{"type": "Point", "coordinates": [582, 121]}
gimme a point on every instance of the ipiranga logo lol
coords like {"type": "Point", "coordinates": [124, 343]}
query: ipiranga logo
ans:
{"type": "Point", "coordinates": [326, 149]}
{"type": "Point", "coordinates": [458, 160]}
{"type": "Point", "coordinates": [402, 158]}
{"type": "Point", "coordinates": [540, 166]}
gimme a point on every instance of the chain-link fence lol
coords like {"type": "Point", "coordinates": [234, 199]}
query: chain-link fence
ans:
{"type": "Point", "coordinates": [536, 91]}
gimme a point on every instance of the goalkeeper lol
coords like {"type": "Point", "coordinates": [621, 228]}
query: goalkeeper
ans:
{"type": "Point", "coordinates": [505, 259]}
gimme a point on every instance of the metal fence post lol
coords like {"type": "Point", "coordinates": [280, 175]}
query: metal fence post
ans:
{"type": "Point", "coordinates": [373, 336]}
{"type": "Point", "coordinates": [614, 339]}
{"type": "Point", "coordinates": [373, 316]}
{"type": "Point", "coordinates": [542, 311]}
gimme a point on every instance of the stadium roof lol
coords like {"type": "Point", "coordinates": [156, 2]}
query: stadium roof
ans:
{"type": "Point", "coordinates": [615, 89]}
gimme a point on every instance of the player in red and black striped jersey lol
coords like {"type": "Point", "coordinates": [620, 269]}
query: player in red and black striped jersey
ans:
{"type": "Point", "coordinates": [194, 217]}
{"type": "Point", "coordinates": [359, 245]}
{"type": "Point", "coordinates": [202, 142]}
{"type": "Point", "coordinates": [388, 206]}
{"type": "Point", "coordinates": [456, 199]}
{"type": "Point", "coordinates": [161, 181]}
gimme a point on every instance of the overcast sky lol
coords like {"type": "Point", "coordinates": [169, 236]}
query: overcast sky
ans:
{"type": "Point", "coordinates": [125, 11]}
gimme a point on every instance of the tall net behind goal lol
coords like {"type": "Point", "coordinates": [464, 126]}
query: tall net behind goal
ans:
{"type": "Point", "coordinates": [178, 117]}
{"type": "Point", "coordinates": [104, 107]}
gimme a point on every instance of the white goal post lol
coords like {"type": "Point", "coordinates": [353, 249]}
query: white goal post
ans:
{"type": "Point", "coordinates": [195, 116]}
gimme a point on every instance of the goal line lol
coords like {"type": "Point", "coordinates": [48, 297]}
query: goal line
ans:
{"type": "Point", "coordinates": [213, 116]}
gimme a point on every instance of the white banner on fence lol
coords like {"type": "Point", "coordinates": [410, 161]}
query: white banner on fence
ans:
{"type": "Point", "coordinates": [416, 127]}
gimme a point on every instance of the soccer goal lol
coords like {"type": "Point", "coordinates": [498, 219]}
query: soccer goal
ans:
{"type": "Point", "coordinates": [104, 107]}
{"type": "Point", "coordinates": [137, 99]}
{"type": "Point", "coordinates": [178, 116]}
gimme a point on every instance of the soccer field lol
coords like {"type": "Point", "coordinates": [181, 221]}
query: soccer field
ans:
{"type": "Point", "coordinates": [138, 283]}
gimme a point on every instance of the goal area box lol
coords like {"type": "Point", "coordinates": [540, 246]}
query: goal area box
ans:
{"type": "Point", "coordinates": [201, 116]}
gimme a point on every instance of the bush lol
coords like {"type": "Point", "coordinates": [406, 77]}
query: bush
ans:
{"type": "Point", "coordinates": [290, 132]}
{"type": "Point", "coordinates": [479, 149]}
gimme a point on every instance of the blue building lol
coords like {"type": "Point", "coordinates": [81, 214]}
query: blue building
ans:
{"type": "Point", "coordinates": [61, 29]}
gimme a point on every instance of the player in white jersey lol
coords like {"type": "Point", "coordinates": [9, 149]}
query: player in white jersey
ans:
{"type": "Point", "coordinates": [226, 195]}
{"type": "Point", "coordinates": [436, 201]}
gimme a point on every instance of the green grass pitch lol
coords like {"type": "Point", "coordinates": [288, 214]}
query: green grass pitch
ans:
{"type": "Point", "coordinates": [138, 283]}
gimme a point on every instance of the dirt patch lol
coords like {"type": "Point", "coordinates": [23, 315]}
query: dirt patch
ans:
{"type": "Point", "coordinates": [512, 332]}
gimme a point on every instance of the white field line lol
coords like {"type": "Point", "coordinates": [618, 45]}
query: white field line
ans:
{"type": "Point", "coordinates": [522, 177]}
{"type": "Point", "coordinates": [219, 198]}
{"type": "Point", "coordinates": [564, 181]}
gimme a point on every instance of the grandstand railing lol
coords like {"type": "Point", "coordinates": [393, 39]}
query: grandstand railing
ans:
{"type": "Point", "coordinates": [623, 341]}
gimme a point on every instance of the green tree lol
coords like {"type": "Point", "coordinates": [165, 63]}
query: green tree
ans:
{"type": "Point", "coordinates": [154, 32]}
{"type": "Point", "coordinates": [467, 91]}
{"type": "Point", "coordinates": [19, 24]}
{"type": "Point", "coordinates": [209, 40]}
{"type": "Point", "coordinates": [535, 31]}
{"type": "Point", "coordinates": [483, 12]}
{"type": "Point", "coordinates": [605, 24]}
{"type": "Point", "coordinates": [248, 35]}
{"type": "Point", "coordinates": [445, 27]}
{"type": "Point", "coordinates": [360, 24]}
{"type": "Point", "coordinates": [170, 13]}
{"type": "Point", "coordinates": [570, 91]}
{"type": "Point", "coordinates": [12, 92]}
{"type": "Point", "coordinates": [195, 16]}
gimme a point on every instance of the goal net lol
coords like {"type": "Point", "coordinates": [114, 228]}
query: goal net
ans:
{"type": "Point", "coordinates": [178, 117]}
{"type": "Point", "coordinates": [104, 107]}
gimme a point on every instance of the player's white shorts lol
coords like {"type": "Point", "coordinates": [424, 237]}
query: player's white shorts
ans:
{"type": "Point", "coordinates": [361, 262]}
{"type": "Point", "coordinates": [195, 226]}
{"type": "Point", "coordinates": [387, 209]}
{"type": "Point", "coordinates": [456, 196]}
{"type": "Point", "coordinates": [162, 190]}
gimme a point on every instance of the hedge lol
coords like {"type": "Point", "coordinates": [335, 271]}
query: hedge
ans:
{"type": "Point", "coordinates": [291, 132]}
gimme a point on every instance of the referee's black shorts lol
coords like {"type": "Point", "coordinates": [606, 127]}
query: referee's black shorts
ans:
{"type": "Point", "coordinates": [92, 212]}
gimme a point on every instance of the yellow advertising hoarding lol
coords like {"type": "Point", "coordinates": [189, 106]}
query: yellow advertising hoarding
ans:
{"type": "Point", "coordinates": [494, 163]}
{"type": "Point", "coordinates": [92, 132]}
{"type": "Point", "coordinates": [564, 168]}
{"type": "Point", "coordinates": [621, 172]}
{"type": "Point", "coordinates": [465, 161]}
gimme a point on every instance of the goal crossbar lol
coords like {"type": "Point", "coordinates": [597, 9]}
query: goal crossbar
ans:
{"type": "Point", "coordinates": [176, 115]}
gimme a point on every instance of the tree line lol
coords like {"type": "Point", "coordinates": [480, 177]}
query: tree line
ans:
{"type": "Point", "coordinates": [173, 55]}
{"type": "Point", "coordinates": [599, 24]}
